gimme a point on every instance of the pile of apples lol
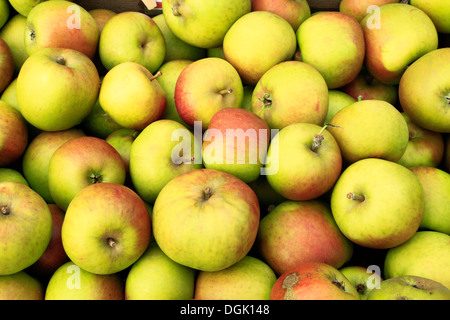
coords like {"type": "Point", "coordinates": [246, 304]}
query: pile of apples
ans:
{"type": "Point", "coordinates": [225, 150]}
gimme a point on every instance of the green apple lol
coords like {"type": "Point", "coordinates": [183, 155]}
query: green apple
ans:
{"type": "Point", "coordinates": [395, 36]}
{"type": "Point", "coordinates": [247, 99]}
{"type": "Point", "coordinates": [333, 43]}
{"type": "Point", "coordinates": [438, 11]}
{"type": "Point", "coordinates": [21, 286]}
{"type": "Point", "coordinates": [216, 52]}
{"type": "Point", "coordinates": [436, 185]}
{"type": "Point", "coordinates": [255, 33]}
{"type": "Point", "coordinates": [80, 162]}
{"type": "Point", "coordinates": [267, 196]}
{"type": "Point", "coordinates": [425, 98]}
{"type": "Point", "coordinates": [10, 174]}
{"type": "Point", "coordinates": [377, 203]}
{"type": "Point", "coordinates": [9, 95]}
{"type": "Point", "coordinates": [363, 279]}
{"type": "Point", "coordinates": [157, 277]}
{"type": "Point", "coordinates": [360, 8]}
{"type": "Point", "coordinates": [106, 228]}
{"type": "Point", "coordinates": [4, 12]}
{"type": "Point", "coordinates": [446, 160]}
{"type": "Point", "coordinates": [70, 282]}
{"type": "Point", "coordinates": [23, 7]}
{"type": "Point", "coordinates": [101, 17]}
{"type": "Point", "coordinates": [132, 36]}
{"type": "Point", "coordinates": [337, 100]}
{"type": "Point", "coordinates": [370, 129]}
{"type": "Point", "coordinates": [98, 123]}
{"type": "Point", "coordinates": [122, 140]}
{"type": "Point", "coordinates": [248, 279]}
{"type": "Point", "coordinates": [6, 65]}
{"type": "Point", "coordinates": [203, 23]}
{"type": "Point", "coordinates": [26, 225]}
{"type": "Point", "coordinates": [277, 94]}
{"type": "Point", "coordinates": [12, 32]}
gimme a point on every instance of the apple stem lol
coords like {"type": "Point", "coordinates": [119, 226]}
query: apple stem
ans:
{"type": "Point", "coordinates": [447, 98]}
{"type": "Point", "coordinates": [4, 210]}
{"type": "Point", "coordinates": [60, 60]}
{"type": "Point", "coordinates": [318, 138]}
{"type": "Point", "coordinates": [267, 100]}
{"type": "Point", "coordinates": [226, 91]}
{"type": "Point", "coordinates": [360, 98]}
{"type": "Point", "coordinates": [207, 193]}
{"type": "Point", "coordinates": [158, 74]}
{"type": "Point", "coordinates": [355, 196]}
{"type": "Point", "coordinates": [175, 10]}
{"type": "Point", "coordinates": [111, 242]}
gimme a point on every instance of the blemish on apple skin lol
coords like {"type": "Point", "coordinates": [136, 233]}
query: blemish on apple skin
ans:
{"type": "Point", "coordinates": [288, 283]}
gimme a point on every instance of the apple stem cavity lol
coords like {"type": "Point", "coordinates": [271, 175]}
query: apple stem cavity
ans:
{"type": "Point", "coordinates": [95, 178]}
{"type": "Point", "coordinates": [60, 60]}
{"type": "Point", "coordinates": [266, 100]}
{"type": "Point", "coordinates": [226, 91]}
{"type": "Point", "coordinates": [207, 193]}
{"type": "Point", "coordinates": [447, 99]}
{"type": "Point", "coordinates": [175, 10]}
{"type": "Point", "coordinates": [32, 34]}
{"type": "Point", "coordinates": [5, 210]}
{"type": "Point", "coordinates": [158, 74]}
{"type": "Point", "coordinates": [355, 196]}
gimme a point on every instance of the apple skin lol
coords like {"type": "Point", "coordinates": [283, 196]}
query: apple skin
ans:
{"type": "Point", "coordinates": [337, 100]}
{"type": "Point", "coordinates": [426, 99]}
{"type": "Point", "coordinates": [313, 281]}
{"type": "Point", "coordinates": [446, 160]}
{"type": "Point", "coordinates": [21, 286]}
{"type": "Point", "coordinates": [26, 218]}
{"type": "Point", "coordinates": [4, 12]}
{"type": "Point", "coordinates": [23, 7]}
{"type": "Point", "coordinates": [248, 279]}
{"type": "Point", "coordinates": [301, 231]}
{"type": "Point", "coordinates": [13, 134]}
{"type": "Point", "coordinates": [333, 43]}
{"type": "Point", "coordinates": [405, 34]}
{"type": "Point", "coordinates": [276, 95]}
{"type": "Point", "coordinates": [49, 26]}
{"type": "Point", "coordinates": [268, 198]}
{"type": "Point", "coordinates": [91, 286]}
{"type": "Point", "coordinates": [6, 65]}
{"type": "Point", "coordinates": [373, 221]}
{"type": "Point", "coordinates": [9, 95]}
{"type": "Point", "coordinates": [211, 21]}
{"type": "Point", "coordinates": [101, 17]}
{"type": "Point", "coordinates": [436, 185]}
{"type": "Point", "coordinates": [438, 11]}
{"type": "Point", "coordinates": [98, 123]}
{"type": "Point", "coordinates": [122, 140]}
{"type": "Point", "coordinates": [106, 228]}
{"type": "Point", "coordinates": [360, 278]}
{"type": "Point", "coordinates": [80, 162]}
{"type": "Point", "coordinates": [410, 287]}
{"type": "Point", "coordinates": [12, 33]}
{"type": "Point", "coordinates": [248, 37]}
{"type": "Point", "coordinates": [9, 174]}
{"type": "Point", "coordinates": [182, 225]}
{"type": "Point", "coordinates": [358, 8]}
{"type": "Point", "coordinates": [156, 277]}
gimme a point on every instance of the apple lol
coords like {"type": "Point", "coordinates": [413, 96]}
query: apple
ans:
{"type": "Point", "coordinates": [122, 140]}
{"type": "Point", "coordinates": [301, 231]}
{"type": "Point", "coordinates": [6, 65]}
{"type": "Point", "coordinates": [26, 225]}
{"type": "Point", "coordinates": [410, 287]}
{"type": "Point", "coordinates": [236, 142]}
{"type": "Point", "coordinates": [258, 41]}
{"type": "Point", "coordinates": [438, 11]}
{"type": "Point", "coordinates": [4, 12]}
{"type": "Point", "coordinates": [436, 185]}
{"type": "Point", "coordinates": [80, 162]}
{"type": "Point", "coordinates": [370, 129]}
{"type": "Point", "coordinates": [337, 100]}
{"type": "Point", "coordinates": [362, 211]}
{"type": "Point", "coordinates": [37, 155]}
{"type": "Point", "coordinates": [247, 99]}
{"type": "Point", "coordinates": [101, 17]}
{"type": "Point", "coordinates": [61, 24]}
{"type": "Point", "coordinates": [426, 99]}
{"type": "Point", "coordinates": [248, 279]}
{"type": "Point", "coordinates": [154, 276]}
{"type": "Point", "coordinates": [206, 86]}
{"type": "Point", "coordinates": [21, 286]}
{"type": "Point", "coordinates": [216, 52]}
{"type": "Point", "coordinates": [267, 196]}
{"type": "Point", "coordinates": [13, 134]}
{"type": "Point", "coordinates": [157, 156]}
{"type": "Point", "coordinates": [203, 24]}
{"type": "Point", "coordinates": [70, 282]}
{"type": "Point", "coordinates": [425, 147]}
{"type": "Point", "coordinates": [446, 160]}
{"type": "Point", "coordinates": [131, 96]}
{"type": "Point", "coordinates": [362, 279]}
{"type": "Point", "coordinates": [360, 8]}
{"type": "Point", "coordinates": [132, 36]}
{"type": "Point", "coordinates": [313, 281]}
{"type": "Point", "coordinates": [12, 33]}
{"type": "Point", "coordinates": [277, 94]}
{"type": "Point", "coordinates": [206, 219]}
{"type": "Point", "coordinates": [10, 174]}
{"type": "Point", "coordinates": [9, 95]}
{"type": "Point", "coordinates": [303, 161]}
{"type": "Point", "coordinates": [106, 228]}
{"type": "Point", "coordinates": [23, 7]}
{"type": "Point", "coordinates": [98, 123]}
{"type": "Point", "coordinates": [294, 12]}
{"type": "Point", "coordinates": [404, 34]}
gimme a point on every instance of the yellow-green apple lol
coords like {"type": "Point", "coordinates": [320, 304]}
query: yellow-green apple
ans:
{"type": "Point", "coordinates": [277, 94]}
{"type": "Point", "coordinates": [106, 228]}
{"type": "Point", "coordinates": [425, 147]}
{"type": "Point", "coordinates": [410, 287]}
{"type": "Point", "coordinates": [9, 95]}
{"type": "Point", "coordinates": [36, 158]}
{"type": "Point", "coordinates": [212, 222]}
{"type": "Point", "coordinates": [122, 140]}
{"type": "Point", "coordinates": [80, 162]}
{"type": "Point", "coordinates": [131, 95]}
{"type": "Point", "coordinates": [268, 198]}
{"type": "Point", "coordinates": [247, 99]}
{"type": "Point", "coordinates": [24, 7]}
{"type": "Point", "coordinates": [438, 11]}
{"type": "Point", "coordinates": [215, 52]}
{"type": "Point", "coordinates": [12, 33]}
{"type": "Point", "coordinates": [10, 174]}
{"type": "Point", "coordinates": [154, 276]}
{"type": "Point", "coordinates": [395, 36]}
{"type": "Point", "coordinates": [294, 12]}
{"type": "Point", "coordinates": [377, 203]}
{"type": "Point", "coordinates": [98, 123]}
{"type": "Point", "coordinates": [177, 49]}
{"type": "Point", "coordinates": [253, 33]}
{"type": "Point", "coordinates": [70, 282]}
{"type": "Point", "coordinates": [333, 43]}
{"type": "Point", "coordinates": [370, 129]}
{"type": "Point", "coordinates": [363, 279]}
{"type": "Point", "coordinates": [301, 231]}
{"type": "Point", "coordinates": [446, 160]}
{"type": "Point", "coordinates": [236, 142]}
{"type": "Point", "coordinates": [203, 24]}
{"type": "Point", "coordinates": [436, 186]}
{"type": "Point", "coordinates": [303, 161]}
{"type": "Point", "coordinates": [21, 286]}
{"type": "Point", "coordinates": [57, 88]}
{"type": "Point", "coordinates": [26, 225]}
{"type": "Point", "coordinates": [206, 86]}
{"type": "Point", "coordinates": [424, 91]}
{"type": "Point", "coordinates": [6, 65]}
{"type": "Point", "coordinates": [4, 12]}
{"type": "Point", "coordinates": [13, 134]}
{"type": "Point", "coordinates": [248, 279]}
{"type": "Point", "coordinates": [337, 100]}
{"type": "Point", "coordinates": [313, 281]}
{"type": "Point", "coordinates": [157, 156]}
{"type": "Point", "coordinates": [61, 24]}
{"type": "Point", "coordinates": [101, 17]}
{"type": "Point", "coordinates": [360, 8]}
